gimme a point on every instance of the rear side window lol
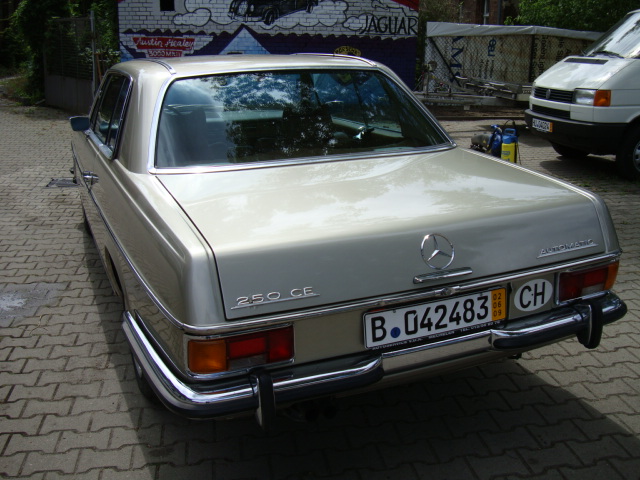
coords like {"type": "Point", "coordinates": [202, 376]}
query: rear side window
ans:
{"type": "Point", "coordinates": [108, 116]}
{"type": "Point", "coordinates": [279, 115]}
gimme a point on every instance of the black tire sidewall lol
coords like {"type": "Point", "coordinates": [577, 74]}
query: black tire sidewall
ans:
{"type": "Point", "coordinates": [624, 159]}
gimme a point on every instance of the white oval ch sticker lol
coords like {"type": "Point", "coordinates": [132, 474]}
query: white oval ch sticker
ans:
{"type": "Point", "coordinates": [533, 295]}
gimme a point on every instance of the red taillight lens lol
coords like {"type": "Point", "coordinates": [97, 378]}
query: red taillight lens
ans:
{"type": "Point", "coordinates": [280, 345]}
{"type": "Point", "coordinates": [586, 282]}
{"type": "Point", "coordinates": [246, 346]}
{"type": "Point", "coordinates": [241, 351]}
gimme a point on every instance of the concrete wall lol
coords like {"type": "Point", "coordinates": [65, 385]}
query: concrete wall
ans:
{"type": "Point", "coordinates": [73, 95]}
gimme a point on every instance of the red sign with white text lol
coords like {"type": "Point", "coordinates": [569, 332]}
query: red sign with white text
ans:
{"type": "Point", "coordinates": [164, 46]}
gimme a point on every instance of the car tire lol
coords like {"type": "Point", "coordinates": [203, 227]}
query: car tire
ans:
{"type": "Point", "coordinates": [569, 152]}
{"type": "Point", "coordinates": [270, 16]}
{"type": "Point", "coordinates": [143, 384]}
{"type": "Point", "coordinates": [628, 158]}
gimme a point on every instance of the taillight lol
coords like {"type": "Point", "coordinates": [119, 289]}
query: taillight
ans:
{"type": "Point", "coordinates": [586, 282]}
{"type": "Point", "coordinates": [240, 351]}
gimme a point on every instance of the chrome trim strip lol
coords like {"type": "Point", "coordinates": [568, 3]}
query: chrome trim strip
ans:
{"type": "Point", "coordinates": [401, 298]}
{"type": "Point", "coordinates": [366, 61]}
{"type": "Point", "coordinates": [169, 68]}
{"type": "Point", "coordinates": [296, 161]}
{"type": "Point", "coordinates": [459, 272]}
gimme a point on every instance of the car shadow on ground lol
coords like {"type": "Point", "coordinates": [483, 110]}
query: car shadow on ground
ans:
{"type": "Point", "coordinates": [602, 167]}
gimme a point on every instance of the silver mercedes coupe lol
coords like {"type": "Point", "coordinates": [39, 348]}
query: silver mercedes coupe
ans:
{"type": "Point", "coordinates": [283, 229]}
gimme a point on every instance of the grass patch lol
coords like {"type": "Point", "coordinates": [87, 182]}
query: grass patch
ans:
{"type": "Point", "coordinates": [15, 87]}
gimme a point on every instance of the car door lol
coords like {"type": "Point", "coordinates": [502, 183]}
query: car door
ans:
{"type": "Point", "coordinates": [94, 158]}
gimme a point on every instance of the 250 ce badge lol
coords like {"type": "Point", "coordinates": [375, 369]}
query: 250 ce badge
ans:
{"type": "Point", "coordinates": [258, 299]}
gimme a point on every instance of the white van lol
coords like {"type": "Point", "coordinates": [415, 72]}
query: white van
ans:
{"type": "Point", "coordinates": [591, 103]}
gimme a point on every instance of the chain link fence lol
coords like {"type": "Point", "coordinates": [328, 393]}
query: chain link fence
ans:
{"type": "Point", "coordinates": [70, 52]}
{"type": "Point", "coordinates": [75, 61]}
{"type": "Point", "coordinates": [494, 60]}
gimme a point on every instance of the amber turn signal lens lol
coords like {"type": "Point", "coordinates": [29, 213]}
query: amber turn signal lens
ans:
{"type": "Point", "coordinates": [602, 98]}
{"type": "Point", "coordinates": [207, 356]}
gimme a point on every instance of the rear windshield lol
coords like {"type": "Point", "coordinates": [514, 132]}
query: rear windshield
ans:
{"type": "Point", "coordinates": [270, 116]}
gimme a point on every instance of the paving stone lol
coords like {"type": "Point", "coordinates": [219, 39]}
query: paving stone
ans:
{"type": "Point", "coordinates": [10, 465]}
{"type": "Point", "coordinates": [117, 459]}
{"type": "Point", "coordinates": [42, 462]}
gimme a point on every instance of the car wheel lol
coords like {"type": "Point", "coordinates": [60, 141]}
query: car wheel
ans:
{"type": "Point", "coordinates": [270, 16]}
{"type": "Point", "coordinates": [143, 384]}
{"type": "Point", "coordinates": [569, 152]}
{"type": "Point", "coordinates": [628, 158]}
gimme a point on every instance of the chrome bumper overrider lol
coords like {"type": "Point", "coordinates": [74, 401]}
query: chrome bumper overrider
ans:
{"type": "Point", "coordinates": [263, 389]}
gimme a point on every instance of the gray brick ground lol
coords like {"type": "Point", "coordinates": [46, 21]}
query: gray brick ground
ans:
{"type": "Point", "coordinates": [69, 407]}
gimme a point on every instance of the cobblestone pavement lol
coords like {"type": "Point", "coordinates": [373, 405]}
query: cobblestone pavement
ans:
{"type": "Point", "coordinates": [70, 407]}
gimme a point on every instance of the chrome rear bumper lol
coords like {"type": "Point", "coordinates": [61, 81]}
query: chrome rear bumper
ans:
{"type": "Point", "coordinates": [261, 390]}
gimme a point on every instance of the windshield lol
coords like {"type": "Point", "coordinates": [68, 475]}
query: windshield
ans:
{"type": "Point", "coordinates": [622, 40]}
{"type": "Point", "coordinates": [269, 116]}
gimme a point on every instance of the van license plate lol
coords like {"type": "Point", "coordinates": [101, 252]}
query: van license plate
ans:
{"type": "Point", "coordinates": [542, 125]}
{"type": "Point", "coordinates": [434, 319]}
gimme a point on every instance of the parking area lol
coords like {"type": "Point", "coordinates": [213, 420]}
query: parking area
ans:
{"type": "Point", "coordinates": [70, 407]}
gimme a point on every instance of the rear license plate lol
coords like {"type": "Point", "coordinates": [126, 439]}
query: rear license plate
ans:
{"type": "Point", "coordinates": [434, 319]}
{"type": "Point", "coordinates": [542, 125]}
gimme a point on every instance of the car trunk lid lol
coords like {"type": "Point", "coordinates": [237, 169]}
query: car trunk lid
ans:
{"type": "Point", "coordinates": [307, 235]}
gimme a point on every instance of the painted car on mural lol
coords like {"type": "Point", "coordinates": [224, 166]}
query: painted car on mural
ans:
{"type": "Point", "coordinates": [288, 228]}
{"type": "Point", "coordinates": [268, 11]}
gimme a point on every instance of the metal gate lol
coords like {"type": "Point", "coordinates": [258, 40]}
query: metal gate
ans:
{"type": "Point", "coordinates": [73, 69]}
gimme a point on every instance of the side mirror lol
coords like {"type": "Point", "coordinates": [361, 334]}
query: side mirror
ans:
{"type": "Point", "coordinates": [79, 124]}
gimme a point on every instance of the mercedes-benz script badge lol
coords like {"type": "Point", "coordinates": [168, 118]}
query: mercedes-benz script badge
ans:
{"type": "Point", "coordinates": [437, 251]}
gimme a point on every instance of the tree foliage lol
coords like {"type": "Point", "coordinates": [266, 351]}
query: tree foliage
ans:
{"type": "Point", "coordinates": [593, 15]}
{"type": "Point", "coordinates": [31, 19]}
{"type": "Point", "coordinates": [32, 22]}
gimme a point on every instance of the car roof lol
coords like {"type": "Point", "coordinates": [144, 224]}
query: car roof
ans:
{"type": "Point", "coordinates": [211, 64]}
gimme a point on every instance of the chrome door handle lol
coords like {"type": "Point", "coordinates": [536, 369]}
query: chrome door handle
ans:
{"type": "Point", "coordinates": [90, 177]}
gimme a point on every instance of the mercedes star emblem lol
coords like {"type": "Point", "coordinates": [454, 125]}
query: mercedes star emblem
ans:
{"type": "Point", "coordinates": [437, 251]}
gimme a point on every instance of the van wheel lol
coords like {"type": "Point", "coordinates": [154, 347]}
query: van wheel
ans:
{"type": "Point", "coordinates": [569, 152]}
{"type": "Point", "coordinates": [628, 158]}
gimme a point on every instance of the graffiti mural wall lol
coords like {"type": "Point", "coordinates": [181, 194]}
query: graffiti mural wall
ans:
{"type": "Point", "coordinates": [382, 30]}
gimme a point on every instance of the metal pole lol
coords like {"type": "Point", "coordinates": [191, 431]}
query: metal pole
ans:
{"type": "Point", "coordinates": [94, 82]}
